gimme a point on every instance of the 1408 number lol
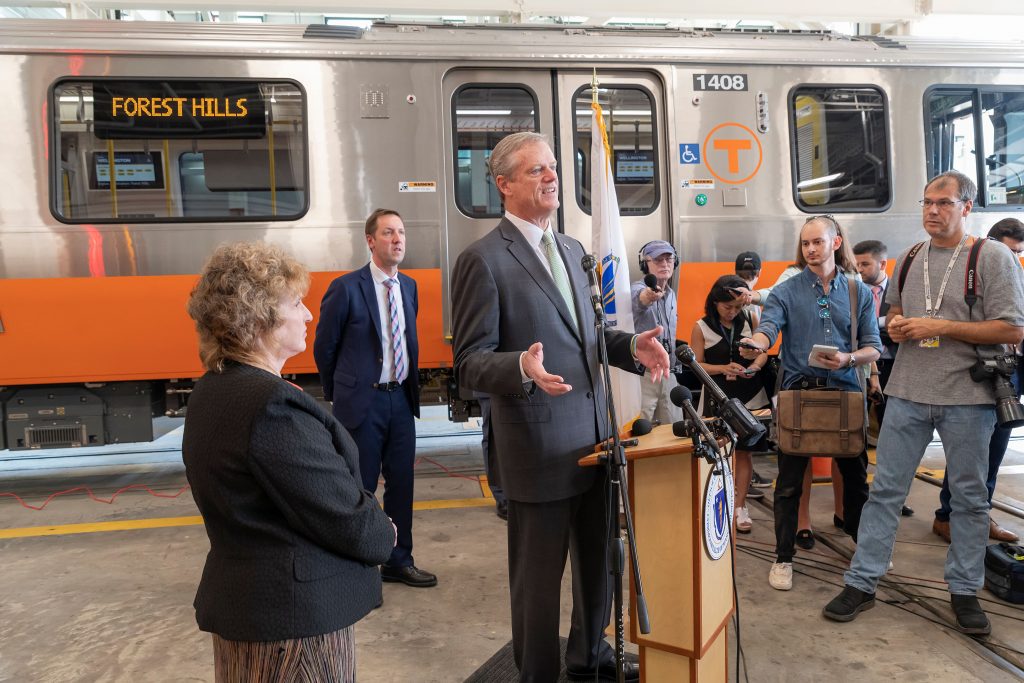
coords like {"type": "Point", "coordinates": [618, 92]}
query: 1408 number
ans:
{"type": "Point", "coordinates": [719, 81]}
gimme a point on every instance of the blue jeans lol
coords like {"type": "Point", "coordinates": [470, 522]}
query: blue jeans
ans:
{"type": "Point", "coordinates": [996, 450]}
{"type": "Point", "coordinates": [965, 431]}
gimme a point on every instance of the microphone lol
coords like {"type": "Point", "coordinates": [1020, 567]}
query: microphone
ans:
{"type": "Point", "coordinates": [643, 426]}
{"type": "Point", "coordinates": [589, 264]}
{"type": "Point", "coordinates": [651, 280]}
{"type": "Point", "coordinates": [731, 410]}
{"type": "Point", "coordinates": [682, 397]}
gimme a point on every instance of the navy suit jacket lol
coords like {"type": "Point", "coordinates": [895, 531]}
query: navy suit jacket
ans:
{"type": "Point", "coordinates": [348, 348]}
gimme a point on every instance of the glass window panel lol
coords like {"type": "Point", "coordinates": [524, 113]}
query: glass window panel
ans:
{"type": "Point", "coordinates": [182, 150]}
{"type": "Point", "coordinates": [951, 133]}
{"type": "Point", "coordinates": [629, 120]}
{"type": "Point", "coordinates": [1002, 126]}
{"type": "Point", "coordinates": [842, 149]}
{"type": "Point", "coordinates": [483, 116]}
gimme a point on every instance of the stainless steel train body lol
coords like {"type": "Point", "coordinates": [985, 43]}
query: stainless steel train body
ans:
{"type": "Point", "coordinates": [722, 142]}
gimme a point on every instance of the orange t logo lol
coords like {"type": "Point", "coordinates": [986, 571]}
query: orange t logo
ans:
{"type": "Point", "coordinates": [732, 148]}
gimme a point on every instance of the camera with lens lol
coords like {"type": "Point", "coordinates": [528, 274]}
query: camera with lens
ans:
{"type": "Point", "coordinates": [999, 370]}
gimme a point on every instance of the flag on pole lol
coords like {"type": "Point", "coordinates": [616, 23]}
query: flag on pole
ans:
{"type": "Point", "coordinates": [613, 267]}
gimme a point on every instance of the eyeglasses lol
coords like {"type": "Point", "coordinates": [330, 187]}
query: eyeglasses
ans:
{"type": "Point", "coordinates": [943, 204]}
{"type": "Point", "coordinates": [824, 312]}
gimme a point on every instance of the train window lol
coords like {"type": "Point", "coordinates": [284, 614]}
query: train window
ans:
{"type": "Point", "coordinates": [176, 150]}
{"type": "Point", "coordinates": [630, 121]}
{"type": "Point", "coordinates": [979, 132]}
{"type": "Point", "coordinates": [840, 148]}
{"type": "Point", "coordinates": [483, 115]}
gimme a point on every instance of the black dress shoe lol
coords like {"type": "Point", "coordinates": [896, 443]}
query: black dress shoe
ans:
{"type": "Point", "coordinates": [410, 576]}
{"type": "Point", "coordinates": [606, 672]}
{"type": "Point", "coordinates": [907, 512]}
{"type": "Point", "coordinates": [501, 509]}
{"type": "Point", "coordinates": [970, 618]}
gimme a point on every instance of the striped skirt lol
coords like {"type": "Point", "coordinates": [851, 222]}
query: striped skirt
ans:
{"type": "Point", "coordinates": [327, 658]}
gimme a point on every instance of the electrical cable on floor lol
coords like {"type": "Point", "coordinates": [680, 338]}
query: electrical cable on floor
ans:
{"type": "Point", "coordinates": [88, 491]}
{"type": "Point", "coordinates": [986, 644]}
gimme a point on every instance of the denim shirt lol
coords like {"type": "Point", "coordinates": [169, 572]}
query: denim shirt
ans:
{"type": "Point", "coordinates": [793, 309]}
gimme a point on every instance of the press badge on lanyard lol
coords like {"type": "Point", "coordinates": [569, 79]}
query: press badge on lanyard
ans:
{"type": "Point", "coordinates": [933, 311]}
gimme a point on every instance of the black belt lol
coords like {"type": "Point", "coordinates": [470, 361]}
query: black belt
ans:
{"type": "Point", "coordinates": [387, 386]}
{"type": "Point", "coordinates": [810, 383]}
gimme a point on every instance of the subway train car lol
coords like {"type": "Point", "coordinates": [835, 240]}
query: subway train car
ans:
{"type": "Point", "coordinates": [131, 150]}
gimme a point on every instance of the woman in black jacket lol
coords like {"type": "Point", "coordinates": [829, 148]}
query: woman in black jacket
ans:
{"type": "Point", "coordinates": [294, 538]}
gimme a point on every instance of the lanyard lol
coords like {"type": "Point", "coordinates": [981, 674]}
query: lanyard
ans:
{"type": "Point", "coordinates": [929, 310]}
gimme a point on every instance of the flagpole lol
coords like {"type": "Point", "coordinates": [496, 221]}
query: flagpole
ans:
{"type": "Point", "coordinates": [614, 456]}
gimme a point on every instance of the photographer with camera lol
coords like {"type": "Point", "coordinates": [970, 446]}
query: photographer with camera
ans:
{"type": "Point", "coordinates": [654, 304]}
{"type": "Point", "coordinates": [1010, 232]}
{"type": "Point", "coordinates": [942, 334]}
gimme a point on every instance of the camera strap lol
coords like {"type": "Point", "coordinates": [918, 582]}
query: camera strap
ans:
{"type": "Point", "coordinates": [970, 277]}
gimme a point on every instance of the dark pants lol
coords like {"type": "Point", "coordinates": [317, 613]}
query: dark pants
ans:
{"type": "Point", "coordinates": [996, 450]}
{"type": "Point", "coordinates": [387, 445]}
{"type": "Point", "coordinates": [884, 370]}
{"type": "Point", "coordinates": [787, 498]}
{"type": "Point", "coordinates": [540, 535]}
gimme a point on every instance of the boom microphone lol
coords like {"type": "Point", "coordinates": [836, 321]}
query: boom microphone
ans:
{"type": "Point", "coordinates": [651, 280]}
{"type": "Point", "coordinates": [589, 264]}
{"type": "Point", "coordinates": [731, 410]}
{"type": "Point", "coordinates": [682, 397]}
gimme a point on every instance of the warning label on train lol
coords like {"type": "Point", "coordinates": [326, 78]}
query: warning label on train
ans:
{"type": "Point", "coordinates": [133, 110]}
{"type": "Point", "coordinates": [417, 186]}
{"type": "Point", "coordinates": [697, 184]}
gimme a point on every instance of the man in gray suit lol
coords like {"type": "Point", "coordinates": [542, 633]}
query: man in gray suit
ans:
{"type": "Point", "coordinates": [521, 305]}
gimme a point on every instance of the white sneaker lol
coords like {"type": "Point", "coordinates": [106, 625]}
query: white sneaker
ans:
{"type": "Point", "coordinates": [781, 576]}
{"type": "Point", "coordinates": [743, 523]}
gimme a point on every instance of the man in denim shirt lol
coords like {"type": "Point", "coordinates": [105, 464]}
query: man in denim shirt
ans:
{"type": "Point", "coordinates": [814, 308]}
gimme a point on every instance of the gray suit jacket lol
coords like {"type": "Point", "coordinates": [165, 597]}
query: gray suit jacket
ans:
{"type": "Point", "coordinates": [503, 300]}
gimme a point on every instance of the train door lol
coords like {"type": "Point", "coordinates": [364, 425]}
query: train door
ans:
{"type": "Point", "coordinates": [482, 106]}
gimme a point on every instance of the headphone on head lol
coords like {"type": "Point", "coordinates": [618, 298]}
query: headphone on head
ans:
{"type": "Point", "coordinates": [643, 261]}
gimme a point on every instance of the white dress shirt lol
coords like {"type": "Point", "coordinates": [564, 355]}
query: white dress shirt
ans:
{"type": "Point", "coordinates": [387, 372]}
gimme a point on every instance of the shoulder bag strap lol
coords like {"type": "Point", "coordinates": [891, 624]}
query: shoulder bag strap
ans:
{"type": "Point", "coordinates": [854, 341]}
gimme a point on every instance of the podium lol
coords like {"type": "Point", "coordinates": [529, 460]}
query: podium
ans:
{"type": "Point", "coordinates": [689, 595]}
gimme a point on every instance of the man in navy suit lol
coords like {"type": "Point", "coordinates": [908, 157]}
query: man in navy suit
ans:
{"type": "Point", "coordinates": [366, 352]}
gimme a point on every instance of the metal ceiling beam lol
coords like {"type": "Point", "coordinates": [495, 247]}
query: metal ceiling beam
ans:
{"type": "Point", "coordinates": [596, 11]}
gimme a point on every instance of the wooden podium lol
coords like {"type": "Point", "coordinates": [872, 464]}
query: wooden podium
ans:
{"type": "Point", "coordinates": [689, 595]}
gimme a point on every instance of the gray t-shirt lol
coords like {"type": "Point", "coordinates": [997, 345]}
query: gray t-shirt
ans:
{"type": "Point", "coordinates": [941, 376]}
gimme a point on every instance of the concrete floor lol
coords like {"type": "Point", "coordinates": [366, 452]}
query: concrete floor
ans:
{"type": "Point", "coordinates": [116, 605]}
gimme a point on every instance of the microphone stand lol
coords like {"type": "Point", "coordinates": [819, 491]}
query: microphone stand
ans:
{"type": "Point", "coordinates": [615, 465]}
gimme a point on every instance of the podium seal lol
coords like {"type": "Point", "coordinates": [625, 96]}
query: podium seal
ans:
{"type": "Point", "coordinates": [719, 501]}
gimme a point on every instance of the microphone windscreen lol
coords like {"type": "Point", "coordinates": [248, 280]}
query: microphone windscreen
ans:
{"type": "Point", "coordinates": [651, 280]}
{"type": "Point", "coordinates": [680, 394]}
{"type": "Point", "coordinates": [680, 428]}
{"type": "Point", "coordinates": [589, 262]}
{"type": "Point", "coordinates": [641, 427]}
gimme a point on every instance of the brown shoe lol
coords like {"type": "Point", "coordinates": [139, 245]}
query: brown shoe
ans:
{"type": "Point", "coordinates": [998, 533]}
{"type": "Point", "coordinates": [940, 528]}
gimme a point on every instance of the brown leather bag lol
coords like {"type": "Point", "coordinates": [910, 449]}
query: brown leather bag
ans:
{"type": "Point", "coordinates": [826, 422]}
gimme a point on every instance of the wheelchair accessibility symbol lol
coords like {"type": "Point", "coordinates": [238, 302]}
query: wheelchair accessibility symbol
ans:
{"type": "Point", "coordinates": [689, 153]}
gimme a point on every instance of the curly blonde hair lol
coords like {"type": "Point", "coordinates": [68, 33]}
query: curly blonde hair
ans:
{"type": "Point", "coordinates": [235, 302]}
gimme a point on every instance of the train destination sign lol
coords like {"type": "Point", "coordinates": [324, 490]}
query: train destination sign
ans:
{"type": "Point", "coordinates": [178, 109]}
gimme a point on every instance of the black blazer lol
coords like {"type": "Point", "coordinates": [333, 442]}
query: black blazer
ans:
{"type": "Point", "coordinates": [348, 347]}
{"type": "Point", "coordinates": [294, 538]}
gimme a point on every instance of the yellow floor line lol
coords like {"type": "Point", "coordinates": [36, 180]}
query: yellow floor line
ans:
{"type": "Point", "coordinates": [94, 527]}
{"type": "Point", "coordinates": [164, 522]}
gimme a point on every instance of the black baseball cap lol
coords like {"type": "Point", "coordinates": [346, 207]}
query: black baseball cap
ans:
{"type": "Point", "coordinates": [748, 260]}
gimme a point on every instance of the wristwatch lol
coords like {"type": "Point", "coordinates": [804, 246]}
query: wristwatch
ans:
{"type": "Point", "coordinates": [852, 362]}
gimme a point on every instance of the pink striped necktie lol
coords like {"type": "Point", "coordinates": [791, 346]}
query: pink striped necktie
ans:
{"type": "Point", "coordinates": [397, 347]}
